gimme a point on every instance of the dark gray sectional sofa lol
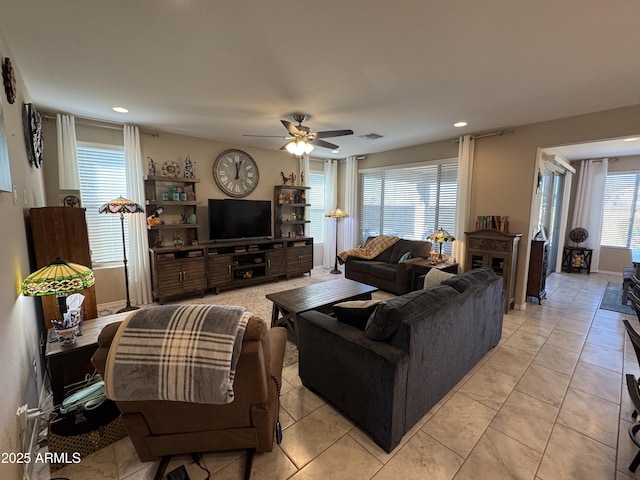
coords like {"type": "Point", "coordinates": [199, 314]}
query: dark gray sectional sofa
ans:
{"type": "Point", "coordinates": [386, 271]}
{"type": "Point", "coordinates": [414, 349]}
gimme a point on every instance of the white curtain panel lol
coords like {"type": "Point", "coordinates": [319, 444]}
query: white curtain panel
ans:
{"type": "Point", "coordinates": [68, 174]}
{"type": "Point", "coordinates": [463, 208]}
{"type": "Point", "coordinates": [350, 224]}
{"type": "Point", "coordinates": [587, 212]}
{"type": "Point", "coordinates": [303, 176]}
{"type": "Point", "coordinates": [330, 202]}
{"type": "Point", "coordinates": [139, 270]}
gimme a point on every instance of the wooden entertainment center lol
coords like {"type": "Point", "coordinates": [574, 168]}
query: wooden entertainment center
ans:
{"type": "Point", "coordinates": [222, 265]}
{"type": "Point", "coordinates": [190, 268]}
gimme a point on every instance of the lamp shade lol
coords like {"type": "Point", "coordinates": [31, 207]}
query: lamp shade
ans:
{"type": "Point", "coordinates": [440, 236]}
{"type": "Point", "coordinates": [59, 277]}
{"type": "Point", "coordinates": [121, 205]}
{"type": "Point", "coordinates": [336, 213]}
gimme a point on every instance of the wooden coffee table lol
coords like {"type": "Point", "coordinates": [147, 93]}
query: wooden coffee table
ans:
{"type": "Point", "coordinates": [320, 296]}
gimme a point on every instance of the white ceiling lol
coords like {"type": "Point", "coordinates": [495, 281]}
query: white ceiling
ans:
{"type": "Point", "coordinates": [406, 69]}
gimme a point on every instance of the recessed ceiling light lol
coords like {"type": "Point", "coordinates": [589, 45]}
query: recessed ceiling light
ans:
{"type": "Point", "coordinates": [460, 124]}
{"type": "Point", "coordinates": [335, 151]}
{"type": "Point", "coordinates": [631, 139]}
{"type": "Point", "coordinates": [120, 109]}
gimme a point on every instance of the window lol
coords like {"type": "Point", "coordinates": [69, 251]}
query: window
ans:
{"type": "Point", "coordinates": [409, 202]}
{"type": "Point", "coordinates": [620, 216]}
{"type": "Point", "coordinates": [316, 211]}
{"type": "Point", "coordinates": [102, 178]}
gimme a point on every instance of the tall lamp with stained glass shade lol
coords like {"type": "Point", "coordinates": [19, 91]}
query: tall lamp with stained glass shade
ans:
{"type": "Point", "coordinates": [121, 206]}
{"type": "Point", "coordinates": [337, 214]}
{"type": "Point", "coordinates": [441, 236]}
{"type": "Point", "coordinates": [58, 278]}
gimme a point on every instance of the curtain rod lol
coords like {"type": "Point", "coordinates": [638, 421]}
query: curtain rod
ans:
{"type": "Point", "coordinates": [483, 135]}
{"type": "Point", "coordinates": [103, 124]}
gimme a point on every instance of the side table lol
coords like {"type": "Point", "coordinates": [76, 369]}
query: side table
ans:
{"type": "Point", "coordinates": [423, 266]}
{"type": "Point", "coordinates": [70, 363]}
{"type": "Point", "coordinates": [575, 259]}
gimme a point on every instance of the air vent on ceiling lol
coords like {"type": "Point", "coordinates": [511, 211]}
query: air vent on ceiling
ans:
{"type": "Point", "coordinates": [371, 136]}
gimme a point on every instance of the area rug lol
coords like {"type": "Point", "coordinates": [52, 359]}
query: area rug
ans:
{"type": "Point", "coordinates": [612, 299]}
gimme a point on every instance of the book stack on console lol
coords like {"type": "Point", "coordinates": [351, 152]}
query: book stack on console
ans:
{"type": "Point", "coordinates": [239, 249]}
{"type": "Point", "coordinates": [495, 222]}
{"type": "Point", "coordinates": [194, 253]}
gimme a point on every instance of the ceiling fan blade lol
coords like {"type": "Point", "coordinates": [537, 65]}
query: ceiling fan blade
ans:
{"type": "Point", "coordinates": [321, 143]}
{"type": "Point", "coordinates": [333, 133]}
{"type": "Point", "coordinates": [284, 147]}
{"type": "Point", "coordinates": [293, 130]}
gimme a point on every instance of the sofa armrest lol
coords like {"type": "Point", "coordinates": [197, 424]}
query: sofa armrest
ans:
{"type": "Point", "coordinates": [365, 379]}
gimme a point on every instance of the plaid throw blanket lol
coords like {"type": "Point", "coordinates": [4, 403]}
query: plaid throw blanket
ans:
{"type": "Point", "coordinates": [372, 249]}
{"type": "Point", "coordinates": [183, 353]}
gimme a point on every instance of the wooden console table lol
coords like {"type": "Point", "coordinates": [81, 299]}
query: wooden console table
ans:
{"type": "Point", "coordinates": [70, 363]}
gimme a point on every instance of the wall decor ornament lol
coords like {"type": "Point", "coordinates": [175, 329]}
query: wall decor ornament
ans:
{"type": "Point", "coordinates": [9, 80]}
{"type": "Point", "coordinates": [32, 124]}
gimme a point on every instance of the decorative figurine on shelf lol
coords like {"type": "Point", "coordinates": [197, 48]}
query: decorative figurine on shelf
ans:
{"type": "Point", "coordinates": [284, 179]}
{"type": "Point", "coordinates": [302, 179]}
{"type": "Point", "coordinates": [154, 218]}
{"type": "Point", "coordinates": [152, 167]}
{"type": "Point", "coordinates": [158, 241]}
{"type": "Point", "coordinates": [189, 170]}
{"type": "Point", "coordinates": [177, 240]}
{"type": "Point", "coordinates": [292, 178]}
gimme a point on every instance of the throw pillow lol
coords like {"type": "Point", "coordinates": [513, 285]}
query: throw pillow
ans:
{"type": "Point", "coordinates": [355, 312]}
{"type": "Point", "coordinates": [405, 256]}
{"type": "Point", "coordinates": [435, 276]}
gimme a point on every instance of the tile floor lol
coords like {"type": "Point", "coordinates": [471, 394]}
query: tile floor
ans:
{"type": "Point", "coordinates": [550, 403]}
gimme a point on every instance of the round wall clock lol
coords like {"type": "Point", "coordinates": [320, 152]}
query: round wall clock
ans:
{"type": "Point", "coordinates": [236, 173]}
{"type": "Point", "coordinates": [32, 123]}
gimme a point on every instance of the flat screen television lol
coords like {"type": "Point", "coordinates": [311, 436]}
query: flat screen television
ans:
{"type": "Point", "coordinates": [236, 219]}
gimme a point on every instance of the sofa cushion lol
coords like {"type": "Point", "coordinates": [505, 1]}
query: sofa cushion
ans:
{"type": "Point", "coordinates": [467, 280]}
{"type": "Point", "coordinates": [363, 266]}
{"type": "Point", "coordinates": [435, 276]}
{"type": "Point", "coordinates": [386, 271]}
{"type": "Point", "coordinates": [417, 248]}
{"type": "Point", "coordinates": [388, 316]}
{"type": "Point", "coordinates": [355, 312]}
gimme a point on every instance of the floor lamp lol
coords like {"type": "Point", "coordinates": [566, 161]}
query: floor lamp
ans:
{"type": "Point", "coordinates": [121, 206]}
{"type": "Point", "coordinates": [337, 214]}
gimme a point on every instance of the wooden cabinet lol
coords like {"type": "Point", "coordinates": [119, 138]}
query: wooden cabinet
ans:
{"type": "Point", "coordinates": [498, 251]}
{"type": "Point", "coordinates": [538, 266]}
{"type": "Point", "coordinates": [178, 223]}
{"type": "Point", "coordinates": [290, 211]}
{"type": "Point", "coordinates": [62, 232]}
{"type": "Point", "coordinates": [299, 256]}
{"type": "Point", "coordinates": [178, 273]}
{"type": "Point", "coordinates": [239, 263]}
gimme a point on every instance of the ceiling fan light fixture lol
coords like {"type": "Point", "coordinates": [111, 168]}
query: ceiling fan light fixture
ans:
{"type": "Point", "coordinates": [299, 148]}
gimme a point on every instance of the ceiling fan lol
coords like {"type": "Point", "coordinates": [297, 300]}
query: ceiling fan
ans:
{"type": "Point", "coordinates": [302, 139]}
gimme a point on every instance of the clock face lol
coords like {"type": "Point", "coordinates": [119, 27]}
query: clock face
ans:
{"type": "Point", "coordinates": [236, 173]}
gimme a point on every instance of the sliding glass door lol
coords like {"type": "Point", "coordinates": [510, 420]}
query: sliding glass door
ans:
{"type": "Point", "coordinates": [551, 194]}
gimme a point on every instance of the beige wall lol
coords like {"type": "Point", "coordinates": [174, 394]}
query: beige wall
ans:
{"type": "Point", "coordinates": [169, 147]}
{"type": "Point", "coordinates": [505, 167]}
{"type": "Point", "coordinates": [19, 315]}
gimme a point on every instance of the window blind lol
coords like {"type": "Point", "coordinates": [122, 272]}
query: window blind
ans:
{"type": "Point", "coordinates": [410, 202]}
{"type": "Point", "coordinates": [316, 211]}
{"type": "Point", "coordinates": [102, 178]}
{"type": "Point", "coordinates": [620, 215]}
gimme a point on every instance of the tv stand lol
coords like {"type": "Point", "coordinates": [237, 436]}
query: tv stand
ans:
{"type": "Point", "coordinates": [228, 264]}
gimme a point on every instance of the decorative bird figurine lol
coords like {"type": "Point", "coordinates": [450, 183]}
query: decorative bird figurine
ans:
{"type": "Point", "coordinates": [284, 178]}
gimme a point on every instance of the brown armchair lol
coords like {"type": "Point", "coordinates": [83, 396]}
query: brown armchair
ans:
{"type": "Point", "coordinates": [159, 429]}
